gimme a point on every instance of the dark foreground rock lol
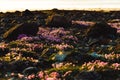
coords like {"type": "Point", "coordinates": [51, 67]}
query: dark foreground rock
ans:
{"type": "Point", "coordinates": [30, 29]}
{"type": "Point", "coordinates": [101, 33]}
{"type": "Point", "coordinates": [101, 29]}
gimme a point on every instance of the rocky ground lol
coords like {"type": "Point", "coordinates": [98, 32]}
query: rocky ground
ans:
{"type": "Point", "coordinates": [60, 45]}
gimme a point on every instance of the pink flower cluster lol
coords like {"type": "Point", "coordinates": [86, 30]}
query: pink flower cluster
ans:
{"type": "Point", "coordinates": [115, 66]}
{"type": "Point", "coordinates": [52, 76]}
{"type": "Point", "coordinates": [95, 66]}
{"type": "Point", "coordinates": [86, 23]}
{"type": "Point", "coordinates": [99, 66]}
{"type": "Point", "coordinates": [40, 46]}
{"type": "Point", "coordinates": [112, 56]}
{"type": "Point", "coordinates": [41, 76]}
{"type": "Point", "coordinates": [55, 34]}
{"type": "Point", "coordinates": [26, 39]}
{"type": "Point", "coordinates": [115, 25]}
{"type": "Point", "coordinates": [62, 46]}
{"type": "Point", "coordinates": [62, 65]}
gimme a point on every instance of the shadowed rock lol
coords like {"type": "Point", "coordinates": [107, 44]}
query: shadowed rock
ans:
{"type": "Point", "coordinates": [29, 29]}
{"type": "Point", "coordinates": [88, 76]}
{"type": "Point", "coordinates": [101, 33]}
{"type": "Point", "coordinates": [101, 29]}
{"type": "Point", "coordinates": [57, 21]}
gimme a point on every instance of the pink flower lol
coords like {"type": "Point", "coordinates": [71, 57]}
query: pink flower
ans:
{"type": "Point", "coordinates": [49, 78]}
{"type": "Point", "coordinates": [92, 68]}
{"type": "Point", "coordinates": [20, 76]}
{"type": "Point", "coordinates": [68, 72]}
{"type": "Point", "coordinates": [41, 74]}
{"type": "Point", "coordinates": [54, 74]}
{"type": "Point", "coordinates": [116, 66]}
{"type": "Point", "coordinates": [32, 76]}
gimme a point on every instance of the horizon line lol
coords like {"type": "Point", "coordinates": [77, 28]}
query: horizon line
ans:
{"type": "Point", "coordinates": [86, 9]}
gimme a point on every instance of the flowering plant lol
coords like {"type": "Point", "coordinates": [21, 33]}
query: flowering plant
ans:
{"type": "Point", "coordinates": [112, 57]}
{"type": "Point", "coordinates": [99, 66]}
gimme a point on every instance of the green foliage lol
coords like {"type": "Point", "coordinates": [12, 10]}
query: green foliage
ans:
{"type": "Point", "coordinates": [13, 44]}
{"type": "Point", "coordinates": [17, 43]}
{"type": "Point", "coordinates": [64, 69]}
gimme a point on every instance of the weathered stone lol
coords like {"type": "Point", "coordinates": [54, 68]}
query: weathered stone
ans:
{"type": "Point", "coordinates": [30, 29]}
{"type": "Point", "coordinates": [101, 29]}
{"type": "Point", "coordinates": [57, 21]}
{"type": "Point", "coordinates": [101, 33]}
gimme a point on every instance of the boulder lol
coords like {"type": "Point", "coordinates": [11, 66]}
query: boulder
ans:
{"type": "Point", "coordinates": [101, 33]}
{"type": "Point", "coordinates": [30, 29]}
{"type": "Point", "coordinates": [101, 29]}
{"type": "Point", "coordinates": [57, 21]}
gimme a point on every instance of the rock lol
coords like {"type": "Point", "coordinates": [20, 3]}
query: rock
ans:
{"type": "Point", "coordinates": [101, 33]}
{"type": "Point", "coordinates": [79, 58]}
{"type": "Point", "coordinates": [44, 63]}
{"type": "Point", "coordinates": [30, 29]}
{"type": "Point", "coordinates": [57, 21]}
{"type": "Point", "coordinates": [101, 29]}
{"type": "Point", "coordinates": [30, 70]}
{"type": "Point", "coordinates": [87, 76]}
{"type": "Point", "coordinates": [18, 65]}
{"type": "Point", "coordinates": [26, 13]}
